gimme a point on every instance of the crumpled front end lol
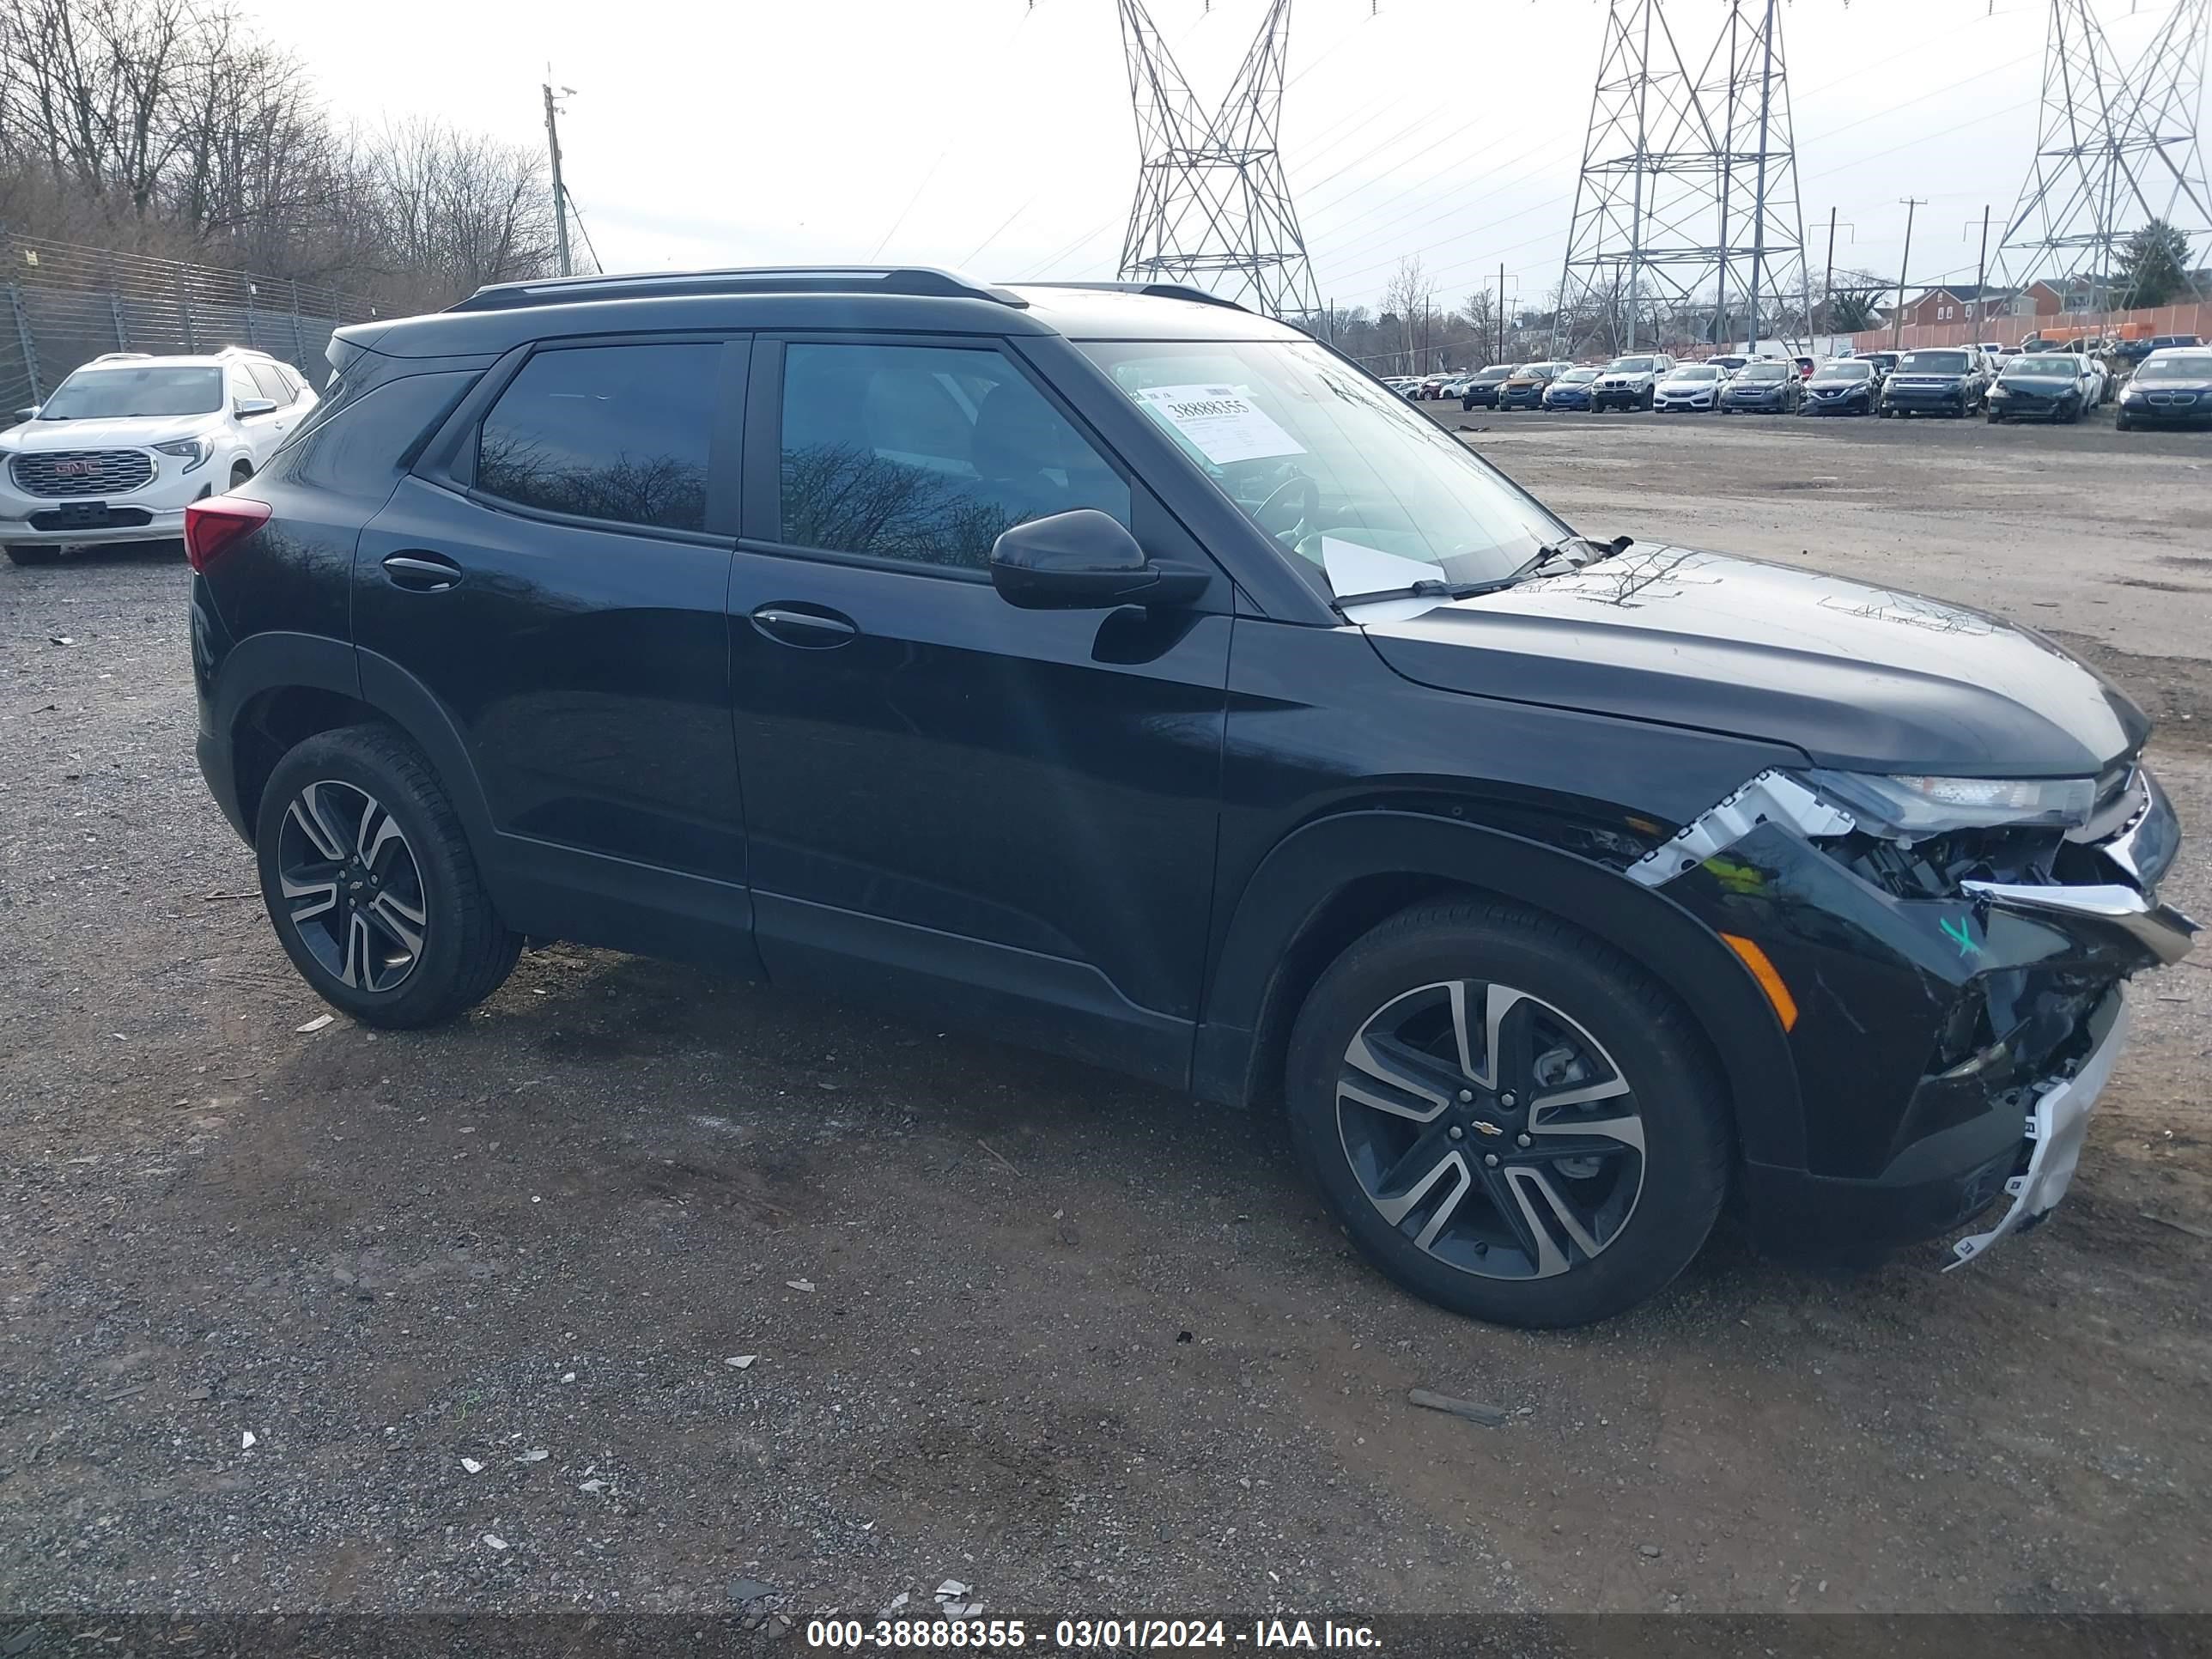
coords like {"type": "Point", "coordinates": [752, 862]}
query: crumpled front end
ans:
{"type": "Point", "coordinates": [1953, 1001]}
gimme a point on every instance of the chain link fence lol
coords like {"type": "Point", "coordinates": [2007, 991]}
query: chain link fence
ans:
{"type": "Point", "coordinates": [62, 305]}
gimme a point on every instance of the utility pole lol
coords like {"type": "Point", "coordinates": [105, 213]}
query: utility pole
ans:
{"type": "Point", "coordinates": [1981, 280]}
{"type": "Point", "coordinates": [1828, 276]}
{"type": "Point", "coordinates": [1500, 357]}
{"type": "Point", "coordinates": [560, 194]}
{"type": "Point", "coordinates": [1897, 317]}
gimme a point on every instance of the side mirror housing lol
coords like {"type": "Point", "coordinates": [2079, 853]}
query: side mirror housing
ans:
{"type": "Point", "coordinates": [249, 407]}
{"type": "Point", "coordinates": [1085, 560]}
{"type": "Point", "coordinates": [28, 412]}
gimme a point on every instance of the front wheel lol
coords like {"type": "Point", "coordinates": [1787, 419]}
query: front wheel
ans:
{"type": "Point", "coordinates": [371, 883]}
{"type": "Point", "coordinates": [1510, 1119]}
{"type": "Point", "coordinates": [2122, 423]}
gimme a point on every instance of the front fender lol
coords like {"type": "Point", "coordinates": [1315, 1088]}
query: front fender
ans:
{"type": "Point", "coordinates": [1260, 975]}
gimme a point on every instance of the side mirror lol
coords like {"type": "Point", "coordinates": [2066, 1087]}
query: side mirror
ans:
{"type": "Point", "coordinates": [1085, 560]}
{"type": "Point", "coordinates": [29, 412]}
{"type": "Point", "coordinates": [247, 408]}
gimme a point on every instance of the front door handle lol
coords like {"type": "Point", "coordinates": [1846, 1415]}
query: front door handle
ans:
{"type": "Point", "coordinates": [422, 573]}
{"type": "Point", "coordinates": [811, 628]}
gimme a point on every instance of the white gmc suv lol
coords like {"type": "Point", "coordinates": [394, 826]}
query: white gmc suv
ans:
{"type": "Point", "coordinates": [125, 443]}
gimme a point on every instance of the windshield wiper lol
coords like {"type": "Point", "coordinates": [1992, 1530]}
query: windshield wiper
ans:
{"type": "Point", "coordinates": [1573, 554]}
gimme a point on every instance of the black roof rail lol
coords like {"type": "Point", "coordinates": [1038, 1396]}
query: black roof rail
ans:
{"type": "Point", "coordinates": [760, 279]}
{"type": "Point", "coordinates": [1155, 290]}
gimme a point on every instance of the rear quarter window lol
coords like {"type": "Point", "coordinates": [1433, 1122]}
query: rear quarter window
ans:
{"type": "Point", "coordinates": [359, 442]}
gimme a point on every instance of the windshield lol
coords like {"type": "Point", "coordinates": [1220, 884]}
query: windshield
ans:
{"type": "Point", "coordinates": [1762, 372]}
{"type": "Point", "coordinates": [2042, 365]}
{"type": "Point", "coordinates": [1856, 369]}
{"type": "Point", "coordinates": [1326, 463]}
{"type": "Point", "coordinates": [107, 394]}
{"type": "Point", "coordinates": [2181, 366]}
{"type": "Point", "coordinates": [1697, 372]}
{"type": "Point", "coordinates": [1578, 377]}
{"type": "Point", "coordinates": [1631, 365]}
{"type": "Point", "coordinates": [1932, 363]}
{"type": "Point", "coordinates": [1494, 373]}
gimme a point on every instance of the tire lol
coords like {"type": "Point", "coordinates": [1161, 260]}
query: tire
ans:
{"type": "Point", "coordinates": [1647, 402]}
{"type": "Point", "coordinates": [2121, 422]}
{"type": "Point", "coordinates": [1494, 1248]}
{"type": "Point", "coordinates": [1995, 419]}
{"type": "Point", "coordinates": [33, 553]}
{"type": "Point", "coordinates": [239, 472]}
{"type": "Point", "coordinates": [1885, 413]}
{"type": "Point", "coordinates": [426, 885]}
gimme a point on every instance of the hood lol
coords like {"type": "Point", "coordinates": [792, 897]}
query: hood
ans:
{"type": "Point", "coordinates": [129, 432]}
{"type": "Point", "coordinates": [1856, 677]}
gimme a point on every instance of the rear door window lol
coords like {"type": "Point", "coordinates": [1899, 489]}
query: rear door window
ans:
{"type": "Point", "coordinates": [619, 434]}
{"type": "Point", "coordinates": [273, 386]}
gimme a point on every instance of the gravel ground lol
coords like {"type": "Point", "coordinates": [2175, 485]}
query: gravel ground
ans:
{"type": "Point", "coordinates": [311, 1319]}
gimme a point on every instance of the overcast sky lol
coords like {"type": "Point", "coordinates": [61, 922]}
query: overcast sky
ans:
{"type": "Point", "coordinates": [996, 135]}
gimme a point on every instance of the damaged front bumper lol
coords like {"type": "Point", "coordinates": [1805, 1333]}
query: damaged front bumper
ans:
{"type": "Point", "coordinates": [1950, 1035]}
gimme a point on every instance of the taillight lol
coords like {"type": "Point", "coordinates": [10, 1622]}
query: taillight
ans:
{"type": "Point", "coordinates": [211, 526]}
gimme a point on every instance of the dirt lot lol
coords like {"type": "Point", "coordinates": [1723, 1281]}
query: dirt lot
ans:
{"type": "Point", "coordinates": [1079, 1343]}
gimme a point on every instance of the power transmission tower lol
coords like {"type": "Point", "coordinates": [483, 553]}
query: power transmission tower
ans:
{"type": "Point", "coordinates": [1686, 213]}
{"type": "Point", "coordinates": [1212, 204]}
{"type": "Point", "coordinates": [2113, 149]}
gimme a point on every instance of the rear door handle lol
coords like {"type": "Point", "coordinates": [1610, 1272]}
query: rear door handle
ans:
{"type": "Point", "coordinates": [811, 628]}
{"type": "Point", "coordinates": [422, 573]}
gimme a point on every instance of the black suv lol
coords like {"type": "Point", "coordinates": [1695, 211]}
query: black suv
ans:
{"type": "Point", "coordinates": [1118, 671]}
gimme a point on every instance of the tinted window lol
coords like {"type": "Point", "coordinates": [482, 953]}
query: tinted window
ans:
{"type": "Point", "coordinates": [1933, 363]}
{"type": "Point", "coordinates": [242, 385]}
{"type": "Point", "coordinates": [925, 452]}
{"type": "Point", "coordinates": [606, 431]}
{"type": "Point", "coordinates": [272, 384]}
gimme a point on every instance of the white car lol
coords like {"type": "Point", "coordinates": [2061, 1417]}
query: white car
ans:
{"type": "Point", "coordinates": [1689, 386]}
{"type": "Point", "coordinates": [123, 445]}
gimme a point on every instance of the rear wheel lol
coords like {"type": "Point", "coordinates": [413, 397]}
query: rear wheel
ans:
{"type": "Point", "coordinates": [239, 472]}
{"type": "Point", "coordinates": [371, 883]}
{"type": "Point", "coordinates": [1509, 1118]}
{"type": "Point", "coordinates": [33, 553]}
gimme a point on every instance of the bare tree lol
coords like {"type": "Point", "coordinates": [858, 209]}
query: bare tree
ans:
{"type": "Point", "coordinates": [460, 209]}
{"type": "Point", "coordinates": [1412, 296]}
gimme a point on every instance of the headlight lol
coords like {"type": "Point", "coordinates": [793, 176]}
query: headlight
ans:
{"type": "Point", "coordinates": [194, 450]}
{"type": "Point", "coordinates": [1910, 808]}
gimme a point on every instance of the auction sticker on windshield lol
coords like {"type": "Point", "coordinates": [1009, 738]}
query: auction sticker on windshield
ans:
{"type": "Point", "coordinates": [1222, 422]}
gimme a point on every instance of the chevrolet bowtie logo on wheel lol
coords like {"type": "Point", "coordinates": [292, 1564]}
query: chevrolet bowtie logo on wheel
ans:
{"type": "Point", "coordinates": [1488, 1128]}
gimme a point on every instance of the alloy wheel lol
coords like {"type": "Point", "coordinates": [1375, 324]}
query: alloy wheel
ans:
{"type": "Point", "coordinates": [1491, 1129]}
{"type": "Point", "coordinates": [351, 887]}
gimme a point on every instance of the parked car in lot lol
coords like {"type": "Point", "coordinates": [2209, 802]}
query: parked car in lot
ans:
{"type": "Point", "coordinates": [125, 443]}
{"type": "Point", "coordinates": [1571, 390]}
{"type": "Point", "coordinates": [1524, 387]}
{"type": "Point", "coordinates": [2135, 351]}
{"type": "Point", "coordinates": [1480, 391]}
{"type": "Point", "coordinates": [1630, 382]}
{"type": "Point", "coordinates": [1884, 362]}
{"type": "Point", "coordinates": [1848, 385]}
{"type": "Point", "coordinates": [1404, 384]}
{"type": "Point", "coordinates": [1805, 368]}
{"type": "Point", "coordinates": [1689, 386]}
{"type": "Point", "coordinates": [1432, 386]}
{"type": "Point", "coordinates": [1097, 671]}
{"type": "Point", "coordinates": [2173, 387]}
{"type": "Point", "coordinates": [1763, 389]}
{"type": "Point", "coordinates": [2040, 385]}
{"type": "Point", "coordinates": [1950, 380]}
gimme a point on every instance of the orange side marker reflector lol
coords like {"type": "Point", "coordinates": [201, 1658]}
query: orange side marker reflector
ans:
{"type": "Point", "coordinates": [1785, 1006]}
